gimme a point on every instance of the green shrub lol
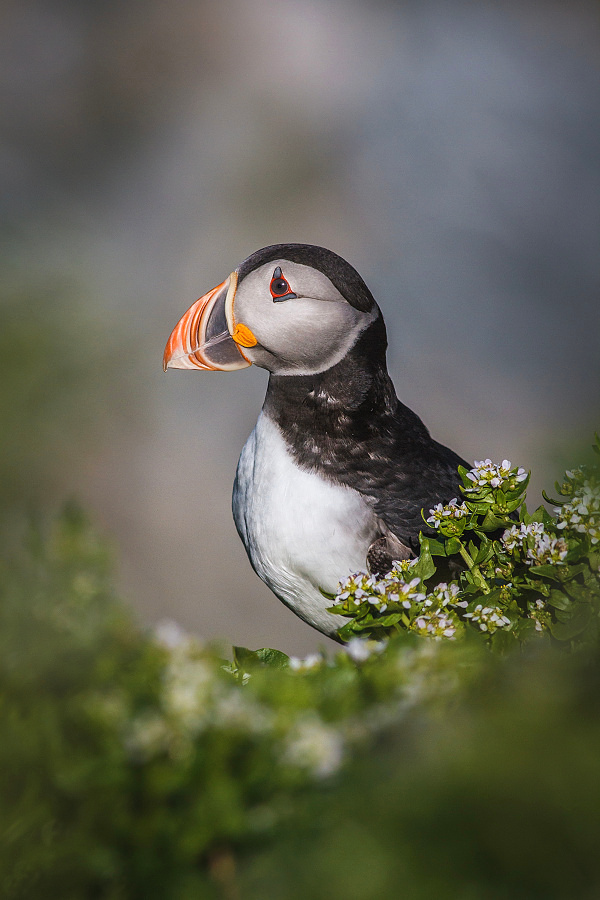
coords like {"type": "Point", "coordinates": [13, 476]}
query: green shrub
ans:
{"type": "Point", "coordinates": [518, 575]}
{"type": "Point", "coordinates": [142, 764]}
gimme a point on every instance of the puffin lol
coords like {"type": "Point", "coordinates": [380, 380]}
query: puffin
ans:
{"type": "Point", "coordinates": [333, 478]}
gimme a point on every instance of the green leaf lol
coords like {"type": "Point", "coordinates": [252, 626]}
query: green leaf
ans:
{"type": "Point", "coordinates": [541, 514]}
{"type": "Point", "coordinates": [436, 548]}
{"type": "Point", "coordinates": [524, 629]}
{"type": "Point", "coordinates": [348, 630]}
{"type": "Point", "coordinates": [579, 592]}
{"type": "Point", "coordinates": [503, 640]}
{"type": "Point", "coordinates": [559, 600]}
{"type": "Point", "coordinates": [578, 622]}
{"type": "Point", "coordinates": [274, 659]}
{"type": "Point", "coordinates": [380, 622]}
{"type": "Point", "coordinates": [463, 474]}
{"type": "Point", "coordinates": [535, 585]}
{"type": "Point", "coordinates": [479, 507]}
{"type": "Point", "coordinates": [491, 522]}
{"type": "Point", "coordinates": [424, 568]}
{"type": "Point", "coordinates": [341, 611]}
{"type": "Point", "coordinates": [452, 546]}
{"type": "Point", "coordinates": [594, 561]}
{"type": "Point", "coordinates": [551, 499]}
{"type": "Point", "coordinates": [484, 553]}
{"type": "Point", "coordinates": [545, 571]}
{"type": "Point", "coordinates": [577, 550]}
{"type": "Point", "coordinates": [326, 594]}
{"type": "Point", "coordinates": [265, 657]}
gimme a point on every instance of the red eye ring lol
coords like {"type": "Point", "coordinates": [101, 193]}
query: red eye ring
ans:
{"type": "Point", "coordinates": [279, 287]}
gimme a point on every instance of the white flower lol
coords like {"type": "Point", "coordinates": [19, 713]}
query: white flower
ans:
{"type": "Point", "coordinates": [547, 550]}
{"type": "Point", "coordinates": [489, 618]}
{"type": "Point", "coordinates": [485, 473]}
{"type": "Point", "coordinates": [401, 567]}
{"type": "Point", "coordinates": [187, 689]}
{"type": "Point", "coordinates": [582, 513]}
{"type": "Point", "coordinates": [170, 635]}
{"type": "Point", "coordinates": [314, 746]}
{"type": "Point", "coordinates": [235, 709]}
{"type": "Point", "coordinates": [395, 588]}
{"type": "Point", "coordinates": [443, 595]}
{"type": "Point", "coordinates": [359, 649]}
{"type": "Point", "coordinates": [408, 592]}
{"type": "Point", "coordinates": [148, 735]}
{"type": "Point", "coordinates": [452, 510]}
{"type": "Point", "coordinates": [540, 547]}
{"type": "Point", "coordinates": [308, 662]}
{"type": "Point", "coordinates": [437, 624]}
{"type": "Point", "coordinates": [357, 588]}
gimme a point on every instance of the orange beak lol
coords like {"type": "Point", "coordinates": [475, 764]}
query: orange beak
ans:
{"type": "Point", "coordinates": [207, 337]}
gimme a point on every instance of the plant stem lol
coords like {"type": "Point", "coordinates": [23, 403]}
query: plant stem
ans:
{"type": "Point", "coordinates": [473, 568]}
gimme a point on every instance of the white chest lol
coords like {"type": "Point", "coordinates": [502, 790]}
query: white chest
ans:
{"type": "Point", "coordinates": [301, 531]}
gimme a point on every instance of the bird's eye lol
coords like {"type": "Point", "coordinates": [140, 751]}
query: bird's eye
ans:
{"type": "Point", "coordinates": [280, 288]}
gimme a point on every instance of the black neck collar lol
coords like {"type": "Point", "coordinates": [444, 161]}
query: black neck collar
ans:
{"type": "Point", "coordinates": [357, 386]}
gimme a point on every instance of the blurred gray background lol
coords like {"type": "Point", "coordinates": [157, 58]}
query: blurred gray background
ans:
{"type": "Point", "coordinates": [450, 151]}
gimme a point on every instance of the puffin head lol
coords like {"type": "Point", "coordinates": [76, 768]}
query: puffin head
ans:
{"type": "Point", "coordinates": [293, 309]}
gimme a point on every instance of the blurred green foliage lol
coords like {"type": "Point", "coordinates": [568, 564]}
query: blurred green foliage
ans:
{"type": "Point", "coordinates": [62, 388]}
{"type": "Point", "coordinates": [499, 797]}
{"type": "Point", "coordinates": [143, 765]}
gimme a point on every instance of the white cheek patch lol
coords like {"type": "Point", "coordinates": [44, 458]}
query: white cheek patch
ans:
{"type": "Point", "coordinates": [301, 336]}
{"type": "Point", "coordinates": [321, 337]}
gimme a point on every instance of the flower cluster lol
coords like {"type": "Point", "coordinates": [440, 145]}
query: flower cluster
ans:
{"type": "Point", "coordinates": [193, 700]}
{"type": "Point", "coordinates": [500, 555]}
{"type": "Point", "coordinates": [200, 701]}
{"type": "Point", "coordinates": [444, 595]}
{"type": "Point", "coordinates": [489, 618]}
{"type": "Point", "coordinates": [582, 512]}
{"type": "Point", "coordinates": [197, 699]}
{"type": "Point", "coordinates": [358, 588]}
{"type": "Point", "coordinates": [539, 547]}
{"type": "Point", "coordinates": [437, 624]}
{"type": "Point", "coordinates": [433, 614]}
{"type": "Point", "coordinates": [403, 569]}
{"type": "Point", "coordinates": [314, 746]}
{"type": "Point", "coordinates": [485, 473]}
{"type": "Point", "coordinates": [442, 514]}
{"type": "Point", "coordinates": [362, 589]}
{"type": "Point", "coordinates": [360, 650]}
{"type": "Point", "coordinates": [539, 613]}
{"type": "Point", "coordinates": [187, 688]}
{"type": "Point", "coordinates": [312, 661]}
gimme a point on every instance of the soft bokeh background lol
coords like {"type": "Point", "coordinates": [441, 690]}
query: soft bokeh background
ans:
{"type": "Point", "coordinates": [450, 151]}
